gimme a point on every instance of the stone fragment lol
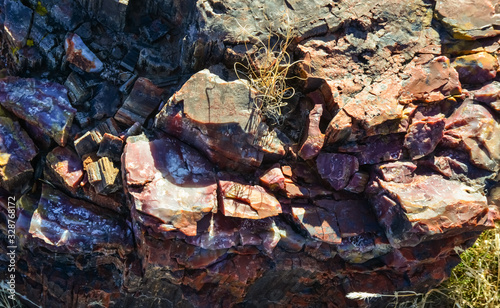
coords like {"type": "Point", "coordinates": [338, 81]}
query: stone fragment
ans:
{"type": "Point", "coordinates": [17, 23]}
{"type": "Point", "coordinates": [429, 207]}
{"type": "Point", "coordinates": [217, 117]}
{"type": "Point", "coordinates": [111, 147]}
{"type": "Point", "coordinates": [16, 152]}
{"type": "Point", "coordinates": [40, 103]}
{"type": "Point", "coordinates": [319, 223]}
{"type": "Point", "coordinates": [66, 13]}
{"type": "Point", "coordinates": [142, 101]}
{"type": "Point", "coordinates": [80, 55]}
{"type": "Point", "coordinates": [66, 166]}
{"type": "Point", "coordinates": [103, 176]}
{"type": "Point", "coordinates": [339, 129]}
{"type": "Point", "coordinates": [473, 128]}
{"type": "Point", "coordinates": [376, 149]}
{"type": "Point", "coordinates": [476, 68]}
{"type": "Point", "coordinates": [337, 169]}
{"type": "Point", "coordinates": [423, 136]}
{"type": "Point", "coordinates": [397, 172]}
{"type": "Point", "coordinates": [468, 20]}
{"type": "Point", "coordinates": [130, 60]}
{"type": "Point", "coordinates": [155, 31]}
{"type": "Point", "coordinates": [430, 80]}
{"type": "Point", "coordinates": [489, 94]}
{"type": "Point", "coordinates": [106, 102]}
{"type": "Point", "coordinates": [111, 13]}
{"type": "Point", "coordinates": [314, 138]}
{"type": "Point", "coordinates": [358, 182]}
{"type": "Point", "coordinates": [88, 143]}
{"type": "Point", "coordinates": [70, 225]}
{"type": "Point", "coordinates": [77, 91]}
{"type": "Point", "coordinates": [273, 178]}
{"type": "Point", "coordinates": [246, 201]}
{"type": "Point", "coordinates": [169, 181]}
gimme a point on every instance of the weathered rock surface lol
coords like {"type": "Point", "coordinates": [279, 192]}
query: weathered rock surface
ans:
{"type": "Point", "coordinates": [386, 158]}
{"type": "Point", "coordinates": [44, 104]}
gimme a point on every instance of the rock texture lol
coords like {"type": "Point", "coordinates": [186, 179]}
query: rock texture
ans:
{"type": "Point", "coordinates": [146, 175]}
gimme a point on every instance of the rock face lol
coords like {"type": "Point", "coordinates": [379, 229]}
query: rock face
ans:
{"type": "Point", "coordinates": [145, 175]}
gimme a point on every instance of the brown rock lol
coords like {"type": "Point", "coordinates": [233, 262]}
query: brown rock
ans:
{"type": "Point", "coordinates": [103, 176]}
{"type": "Point", "coordinates": [66, 166]}
{"type": "Point", "coordinates": [476, 68]}
{"type": "Point", "coordinates": [319, 223]}
{"type": "Point", "coordinates": [489, 94]}
{"type": "Point", "coordinates": [111, 147]}
{"type": "Point", "coordinates": [314, 138]}
{"type": "Point", "coordinates": [273, 178]}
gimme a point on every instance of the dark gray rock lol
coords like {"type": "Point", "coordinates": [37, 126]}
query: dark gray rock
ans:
{"type": "Point", "coordinates": [17, 23]}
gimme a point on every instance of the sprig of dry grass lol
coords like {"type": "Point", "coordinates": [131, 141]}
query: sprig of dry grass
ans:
{"type": "Point", "coordinates": [267, 71]}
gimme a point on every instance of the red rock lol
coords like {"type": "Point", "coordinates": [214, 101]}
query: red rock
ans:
{"type": "Point", "coordinates": [273, 178]}
{"type": "Point", "coordinates": [489, 94]}
{"type": "Point", "coordinates": [314, 138]}
{"type": "Point", "coordinates": [66, 166]}
{"type": "Point", "coordinates": [423, 136]}
{"type": "Point", "coordinates": [319, 223]}
{"type": "Point", "coordinates": [468, 20]}
{"type": "Point", "coordinates": [473, 128]}
{"type": "Point", "coordinates": [339, 129]}
{"type": "Point", "coordinates": [431, 80]}
{"type": "Point", "coordinates": [80, 55]}
{"type": "Point", "coordinates": [170, 181]}
{"type": "Point", "coordinates": [144, 98]}
{"type": "Point", "coordinates": [376, 149]}
{"type": "Point", "coordinates": [246, 201]}
{"type": "Point", "coordinates": [337, 169]}
{"type": "Point", "coordinates": [397, 172]}
{"type": "Point", "coordinates": [476, 68]}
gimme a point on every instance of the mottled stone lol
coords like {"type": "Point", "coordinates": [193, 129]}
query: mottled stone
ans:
{"type": "Point", "coordinates": [473, 128]}
{"type": "Point", "coordinates": [319, 223]}
{"type": "Point", "coordinates": [111, 147]}
{"type": "Point", "coordinates": [80, 55]}
{"type": "Point", "coordinates": [430, 80]}
{"type": "Point", "coordinates": [78, 93]}
{"type": "Point", "coordinates": [217, 117]}
{"type": "Point", "coordinates": [41, 103]}
{"type": "Point", "coordinates": [476, 68]}
{"type": "Point", "coordinates": [314, 138]}
{"type": "Point", "coordinates": [358, 182]}
{"type": "Point", "coordinates": [16, 25]}
{"type": "Point", "coordinates": [66, 166]}
{"type": "Point", "coordinates": [16, 152]}
{"type": "Point", "coordinates": [429, 207]}
{"type": "Point", "coordinates": [105, 103]}
{"type": "Point", "coordinates": [468, 20]}
{"type": "Point", "coordinates": [273, 178]}
{"type": "Point", "coordinates": [489, 94]}
{"type": "Point", "coordinates": [397, 172]}
{"type": "Point", "coordinates": [337, 169]}
{"type": "Point", "coordinates": [169, 181]}
{"type": "Point", "coordinates": [88, 143]}
{"type": "Point", "coordinates": [339, 129]}
{"type": "Point", "coordinates": [142, 101]}
{"type": "Point", "coordinates": [70, 225]}
{"type": "Point", "coordinates": [103, 176]}
{"type": "Point", "coordinates": [423, 136]}
{"type": "Point", "coordinates": [376, 149]}
{"type": "Point", "coordinates": [246, 201]}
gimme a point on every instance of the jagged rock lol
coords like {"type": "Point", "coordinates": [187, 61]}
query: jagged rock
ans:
{"type": "Point", "coordinates": [65, 164]}
{"type": "Point", "coordinates": [376, 149]}
{"type": "Point", "coordinates": [476, 68]}
{"type": "Point", "coordinates": [88, 143]}
{"type": "Point", "coordinates": [430, 80]}
{"type": "Point", "coordinates": [80, 55]}
{"type": "Point", "coordinates": [106, 102]}
{"type": "Point", "coordinates": [489, 94]}
{"type": "Point", "coordinates": [358, 182]}
{"type": "Point", "coordinates": [111, 13]}
{"type": "Point", "coordinates": [40, 103]}
{"type": "Point", "coordinates": [409, 219]}
{"type": "Point", "coordinates": [111, 147]}
{"type": "Point", "coordinates": [66, 13]}
{"type": "Point", "coordinates": [16, 152]}
{"type": "Point", "coordinates": [78, 92]}
{"type": "Point", "coordinates": [337, 169]}
{"type": "Point", "coordinates": [473, 128]}
{"type": "Point", "coordinates": [273, 178]}
{"type": "Point", "coordinates": [142, 101]}
{"type": "Point", "coordinates": [314, 138]}
{"type": "Point", "coordinates": [397, 172]}
{"type": "Point", "coordinates": [246, 201]}
{"type": "Point", "coordinates": [218, 117]}
{"type": "Point", "coordinates": [320, 223]}
{"type": "Point", "coordinates": [423, 136]}
{"type": "Point", "coordinates": [78, 227]}
{"type": "Point", "coordinates": [103, 176]}
{"type": "Point", "coordinates": [168, 180]}
{"type": "Point", "coordinates": [468, 20]}
{"type": "Point", "coordinates": [17, 23]}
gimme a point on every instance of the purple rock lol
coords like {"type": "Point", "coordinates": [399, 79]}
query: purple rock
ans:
{"type": "Point", "coordinates": [40, 103]}
{"type": "Point", "coordinates": [423, 136]}
{"type": "Point", "coordinates": [337, 169]}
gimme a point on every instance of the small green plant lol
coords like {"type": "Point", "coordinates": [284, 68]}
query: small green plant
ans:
{"type": "Point", "coordinates": [267, 69]}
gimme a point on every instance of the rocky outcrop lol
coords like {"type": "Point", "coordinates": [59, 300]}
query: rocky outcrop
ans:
{"type": "Point", "coordinates": [145, 173]}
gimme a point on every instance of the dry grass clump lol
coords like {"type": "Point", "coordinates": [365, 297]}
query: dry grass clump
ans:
{"type": "Point", "coordinates": [474, 283]}
{"type": "Point", "coordinates": [267, 70]}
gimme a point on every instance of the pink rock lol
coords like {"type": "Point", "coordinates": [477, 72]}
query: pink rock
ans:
{"type": "Point", "coordinates": [314, 138]}
{"type": "Point", "coordinates": [489, 94]}
{"type": "Point", "coordinates": [337, 169]}
{"type": "Point", "coordinates": [423, 136]}
{"type": "Point", "coordinates": [170, 181]}
{"type": "Point", "coordinates": [246, 201]}
{"type": "Point", "coordinates": [273, 178]}
{"type": "Point", "coordinates": [431, 80]}
{"type": "Point", "coordinates": [80, 55]}
{"type": "Point", "coordinates": [397, 172]}
{"type": "Point", "coordinates": [66, 166]}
